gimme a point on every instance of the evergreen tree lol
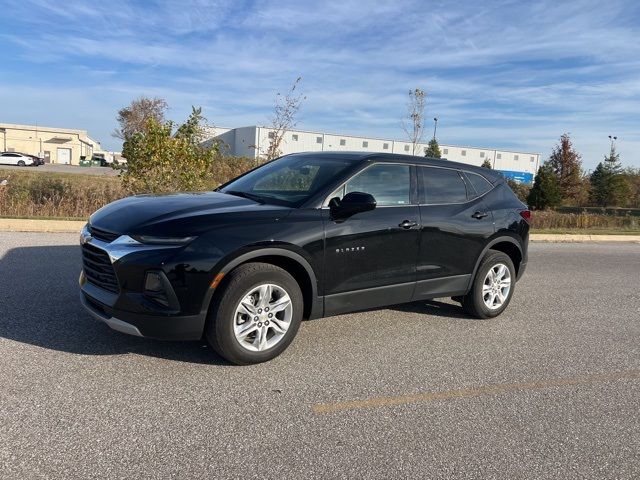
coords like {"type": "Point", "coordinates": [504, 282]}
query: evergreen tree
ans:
{"type": "Point", "coordinates": [609, 186]}
{"type": "Point", "coordinates": [545, 192]}
{"type": "Point", "coordinates": [486, 164]}
{"type": "Point", "coordinates": [433, 149]}
{"type": "Point", "coordinates": [567, 167]}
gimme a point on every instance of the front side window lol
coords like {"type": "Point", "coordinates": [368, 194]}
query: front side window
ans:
{"type": "Point", "coordinates": [443, 185]}
{"type": "Point", "coordinates": [389, 184]}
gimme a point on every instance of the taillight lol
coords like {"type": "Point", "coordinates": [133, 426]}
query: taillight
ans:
{"type": "Point", "coordinates": [526, 214]}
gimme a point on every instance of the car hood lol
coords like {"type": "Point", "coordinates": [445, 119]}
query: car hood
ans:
{"type": "Point", "coordinates": [177, 214]}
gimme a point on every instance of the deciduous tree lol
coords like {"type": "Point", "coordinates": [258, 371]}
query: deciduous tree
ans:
{"type": "Point", "coordinates": [566, 163]}
{"type": "Point", "coordinates": [135, 117]}
{"type": "Point", "coordinates": [284, 118]}
{"type": "Point", "coordinates": [413, 124]}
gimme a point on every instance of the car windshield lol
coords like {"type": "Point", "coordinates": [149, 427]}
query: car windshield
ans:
{"type": "Point", "coordinates": [288, 181]}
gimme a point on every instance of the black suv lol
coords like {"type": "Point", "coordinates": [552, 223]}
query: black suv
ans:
{"type": "Point", "coordinates": [305, 236]}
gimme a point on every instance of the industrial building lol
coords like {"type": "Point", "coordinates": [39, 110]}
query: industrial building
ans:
{"type": "Point", "coordinates": [253, 142]}
{"type": "Point", "coordinates": [55, 145]}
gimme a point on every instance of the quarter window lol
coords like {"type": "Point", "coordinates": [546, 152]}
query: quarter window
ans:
{"type": "Point", "coordinates": [389, 184]}
{"type": "Point", "coordinates": [442, 185]}
{"type": "Point", "coordinates": [479, 183]}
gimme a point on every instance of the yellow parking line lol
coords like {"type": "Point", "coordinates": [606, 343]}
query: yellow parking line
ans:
{"type": "Point", "coordinates": [376, 402]}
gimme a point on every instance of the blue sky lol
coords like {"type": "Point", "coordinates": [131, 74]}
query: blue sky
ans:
{"type": "Point", "coordinates": [500, 74]}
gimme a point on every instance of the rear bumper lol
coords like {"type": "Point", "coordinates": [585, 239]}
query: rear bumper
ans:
{"type": "Point", "coordinates": [150, 326]}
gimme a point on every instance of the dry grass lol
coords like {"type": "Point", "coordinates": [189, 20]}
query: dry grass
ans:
{"type": "Point", "coordinates": [33, 194]}
{"type": "Point", "coordinates": [29, 194]}
{"type": "Point", "coordinates": [552, 220]}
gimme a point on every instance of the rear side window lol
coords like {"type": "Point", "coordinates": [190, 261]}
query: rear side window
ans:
{"type": "Point", "coordinates": [388, 183]}
{"type": "Point", "coordinates": [479, 183]}
{"type": "Point", "coordinates": [442, 185]}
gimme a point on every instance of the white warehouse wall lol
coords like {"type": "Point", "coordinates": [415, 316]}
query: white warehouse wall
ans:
{"type": "Point", "coordinates": [253, 142]}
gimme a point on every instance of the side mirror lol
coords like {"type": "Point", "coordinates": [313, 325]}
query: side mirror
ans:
{"type": "Point", "coordinates": [352, 203]}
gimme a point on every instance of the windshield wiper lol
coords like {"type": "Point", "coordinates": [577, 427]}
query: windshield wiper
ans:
{"type": "Point", "coordinates": [250, 196]}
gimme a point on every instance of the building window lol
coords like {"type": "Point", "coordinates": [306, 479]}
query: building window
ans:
{"type": "Point", "coordinates": [272, 135]}
{"type": "Point", "coordinates": [445, 151]}
{"type": "Point", "coordinates": [318, 139]}
{"type": "Point", "coordinates": [406, 148]}
{"type": "Point", "coordinates": [516, 158]}
{"type": "Point", "coordinates": [533, 159]}
{"type": "Point", "coordinates": [499, 156]}
{"type": "Point", "coordinates": [481, 154]}
{"type": "Point", "coordinates": [343, 142]}
{"type": "Point", "coordinates": [294, 137]}
{"type": "Point", "coordinates": [463, 153]}
{"type": "Point", "coordinates": [365, 144]}
{"type": "Point", "coordinates": [385, 146]}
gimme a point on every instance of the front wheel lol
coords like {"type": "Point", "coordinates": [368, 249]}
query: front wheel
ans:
{"type": "Point", "coordinates": [256, 314]}
{"type": "Point", "coordinates": [21, 163]}
{"type": "Point", "coordinates": [492, 287]}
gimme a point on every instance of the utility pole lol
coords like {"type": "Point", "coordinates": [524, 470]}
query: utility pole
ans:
{"type": "Point", "coordinates": [613, 139]}
{"type": "Point", "coordinates": [435, 126]}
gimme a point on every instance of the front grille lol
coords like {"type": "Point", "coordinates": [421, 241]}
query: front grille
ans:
{"type": "Point", "coordinates": [98, 268]}
{"type": "Point", "coordinates": [102, 235]}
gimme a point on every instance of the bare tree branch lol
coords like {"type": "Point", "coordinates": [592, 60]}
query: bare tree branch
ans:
{"type": "Point", "coordinates": [413, 124]}
{"type": "Point", "coordinates": [284, 118]}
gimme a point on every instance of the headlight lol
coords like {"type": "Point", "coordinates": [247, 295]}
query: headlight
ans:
{"type": "Point", "coordinates": [151, 240]}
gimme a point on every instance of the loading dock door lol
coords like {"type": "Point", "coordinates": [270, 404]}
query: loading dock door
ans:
{"type": "Point", "coordinates": [64, 156]}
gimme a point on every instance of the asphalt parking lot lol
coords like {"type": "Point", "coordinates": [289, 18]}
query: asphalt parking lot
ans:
{"type": "Point", "coordinates": [550, 389]}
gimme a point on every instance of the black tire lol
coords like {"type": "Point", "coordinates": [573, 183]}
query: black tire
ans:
{"type": "Point", "coordinates": [473, 302]}
{"type": "Point", "coordinates": [220, 323]}
{"type": "Point", "coordinates": [21, 163]}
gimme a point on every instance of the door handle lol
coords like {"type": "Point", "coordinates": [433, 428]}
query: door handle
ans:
{"type": "Point", "coordinates": [479, 215]}
{"type": "Point", "coordinates": [407, 224]}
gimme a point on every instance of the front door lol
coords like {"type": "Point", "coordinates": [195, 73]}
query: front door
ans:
{"type": "Point", "coordinates": [370, 258]}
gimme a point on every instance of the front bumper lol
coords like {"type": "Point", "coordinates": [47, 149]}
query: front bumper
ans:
{"type": "Point", "coordinates": [189, 327]}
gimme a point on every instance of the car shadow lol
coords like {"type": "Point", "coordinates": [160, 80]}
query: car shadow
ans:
{"type": "Point", "coordinates": [434, 308]}
{"type": "Point", "coordinates": [40, 305]}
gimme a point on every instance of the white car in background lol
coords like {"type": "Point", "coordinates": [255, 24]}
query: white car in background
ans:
{"type": "Point", "coordinates": [13, 158]}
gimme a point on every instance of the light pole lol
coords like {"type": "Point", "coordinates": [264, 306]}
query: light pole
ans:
{"type": "Point", "coordinates": [613, 138]}
{"type": "Point", "coordinates": [435, 126]}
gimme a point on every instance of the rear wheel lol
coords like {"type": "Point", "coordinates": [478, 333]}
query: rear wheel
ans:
{"type": "Point", "coordinates": [256, 315]}
{"type": "Point", "coordinates": [21, 163]}
{"type": "Point", "coordinates": [493, 286]}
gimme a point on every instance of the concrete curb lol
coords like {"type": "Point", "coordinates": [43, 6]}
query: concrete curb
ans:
{"type": "Point", "coordinates": [74, 226]}
{"type": "Point", "coordinates": [32, 225]}
{"type": "Point", "coordinates": [580, 238]}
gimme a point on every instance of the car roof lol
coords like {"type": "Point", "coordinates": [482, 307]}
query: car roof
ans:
{"type": "Point", "coordinates": [355, 157]}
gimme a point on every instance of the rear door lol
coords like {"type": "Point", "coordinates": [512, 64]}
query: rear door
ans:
{"type": "Point", "coordinates": [370, 258]}
{"type": "Point", "coordinates": [455, 227]}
